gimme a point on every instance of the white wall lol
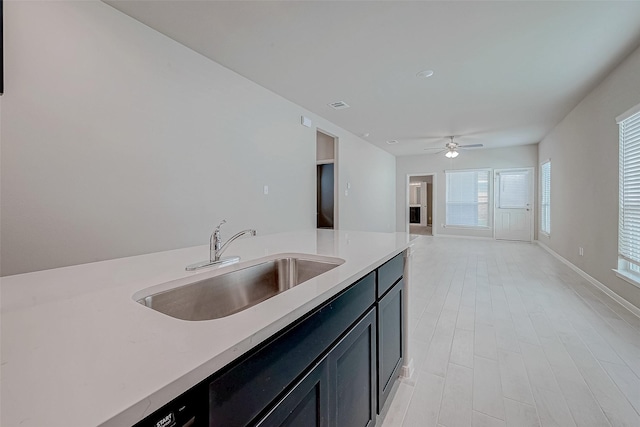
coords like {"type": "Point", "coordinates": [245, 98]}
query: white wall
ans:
{"type": "Point", "coordinates": [583, 149]}
{"type": "Point", "coordinates": [118, 141]}
{"type": "Point", "coordinates": [512, 157]}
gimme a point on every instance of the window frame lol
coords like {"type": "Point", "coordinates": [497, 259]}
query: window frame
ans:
{"type": "Point", "coordinates": [542, 231]}
{"type": "Point", "coordinates": [628, 267]}
{"type": "Point", "coordinates": [489, 202]}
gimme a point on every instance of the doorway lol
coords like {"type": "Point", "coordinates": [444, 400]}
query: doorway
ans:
{"type": "Point", "coordinates": [326, 181]}
{"type": "Point", "coordinates": [513, 213]}
{"type": "Point", "coordinates": [420, 206]}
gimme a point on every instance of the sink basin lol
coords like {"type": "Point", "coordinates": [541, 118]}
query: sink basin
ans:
{"type": "Point", "coordinates": [237, 290]}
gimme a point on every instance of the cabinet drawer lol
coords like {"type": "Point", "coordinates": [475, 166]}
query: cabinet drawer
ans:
{"type": "Point", "coordinates": [389, 273]}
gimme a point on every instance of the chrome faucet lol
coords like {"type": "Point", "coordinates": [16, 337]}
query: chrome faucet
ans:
{"type": "Point", "coordinates": [216, 248]}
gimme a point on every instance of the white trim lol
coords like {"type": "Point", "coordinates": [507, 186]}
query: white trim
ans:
{"type": "Point", "coordinates": [325, 162]}
{"type": "Point", "coordinates": [407, 370]}
{"type": "Point", "coordinates": [614, 296]}
{"type": "Point", "coordinates": [627, 277]}
{"type": "Point", "coordinates": [468, 227]}
{"type": "Point", "coordinates": [540, 189]}
{"type": "Point", "coordinates": [455, 236]}
{"type": "Point", "coordinates": [630, 112]}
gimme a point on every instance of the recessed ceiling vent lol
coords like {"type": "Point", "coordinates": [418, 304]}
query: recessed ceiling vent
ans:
{"type": "Point", "coordinates": [339, 105]}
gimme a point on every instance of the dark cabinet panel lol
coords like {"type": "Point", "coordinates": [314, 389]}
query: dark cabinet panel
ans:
{"type": "Point", "coordinates": [389, 273]}
{"type": "Point", "coordinates": [340, 390]}
{"type": "Point", "coordinates": [352, 376]}
{"type": "Point", "coordinates": [307, 404]}
{"type": "Point", "coordinates": [241, 392]}
{"type": "Point", "coordinates": [390, 340]}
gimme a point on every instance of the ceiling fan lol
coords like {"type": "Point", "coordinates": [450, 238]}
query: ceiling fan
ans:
{"type": "Point", "coordinates": [451, 148]}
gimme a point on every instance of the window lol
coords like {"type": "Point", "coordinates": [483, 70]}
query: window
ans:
{"type": "Point", "coordinates": [545, 198]}
{"type": "Point", "coordinates": [629, 188]}
{"type": "Point", "coordinates": [467, 201]}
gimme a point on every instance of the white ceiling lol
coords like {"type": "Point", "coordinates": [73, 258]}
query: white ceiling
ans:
{"type": "Point", "coordinates": [506, 72]}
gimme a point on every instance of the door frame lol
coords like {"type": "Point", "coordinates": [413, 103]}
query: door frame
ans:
{"type": "Point", "coordinates": [336, 186]}
{"type": "Point", "coordinates": [532, 198]}
{"type": "Point", "coordinates": [434, 193]}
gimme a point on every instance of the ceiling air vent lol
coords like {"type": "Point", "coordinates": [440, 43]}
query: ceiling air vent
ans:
{"type": "Point", "coordinates": [339, 105]}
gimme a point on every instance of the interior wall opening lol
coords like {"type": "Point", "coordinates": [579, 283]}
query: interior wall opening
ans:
{"type": "Point", "coordinates": [420, 204]}
{"type": "Point", "coordinates": [326, 181]}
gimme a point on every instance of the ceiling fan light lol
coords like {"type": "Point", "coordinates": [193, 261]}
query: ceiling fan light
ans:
{"type": "Point", "coordinates": [451, 154]}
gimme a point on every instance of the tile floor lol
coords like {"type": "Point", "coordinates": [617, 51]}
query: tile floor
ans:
{"type": "Point", "coordinates": [503, 334]}
{"type": "Point", "coordinates": [419, 229]}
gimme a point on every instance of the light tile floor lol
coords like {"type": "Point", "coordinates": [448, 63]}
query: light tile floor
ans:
{"type": "Point", "coordinates": [503, 334]}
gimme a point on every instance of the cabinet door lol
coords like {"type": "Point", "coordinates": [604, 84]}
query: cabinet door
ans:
{"type": "Point", "coordinates": [306, 404]}
{"type": "Point", "coordinates": [352, 376]}
{"type": "Point", "coordinates": [390, 345]}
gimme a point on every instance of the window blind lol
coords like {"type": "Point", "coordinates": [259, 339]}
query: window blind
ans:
{"type": "Point", "coordinates": [545, 197]}
{"type": "Point", "coordinates": [513, 191]}
{"type": "Point", "coordinates": [467, 198]}
{"type": "Point", "coordinates": [629, 187]}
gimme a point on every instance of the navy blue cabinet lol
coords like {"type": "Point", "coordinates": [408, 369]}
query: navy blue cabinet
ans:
{"type": "Point", "coordinates": [390, 321]}
{"type": "Point", "coordinates": [352, 375]}
{"type": "Point", "coordinates": [306, 404]}
{"type": "Point", "coordinates": [243, 391]}
{"type": "Point", "coordinates": [334, 367]}
{"type": "Point", "coordinates": [339, 391]}
{"type": "Point", "coordinates": [390, 340]}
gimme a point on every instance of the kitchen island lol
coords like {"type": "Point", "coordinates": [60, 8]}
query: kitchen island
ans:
{"type": "Point", "coordinates": [78, 350]}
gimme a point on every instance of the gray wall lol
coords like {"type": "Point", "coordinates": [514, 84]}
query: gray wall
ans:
{"type": "Point", "coordinates": [583, 149]}
{"type": "Point", "coordinates": [511, 157]}
{"type": "Point", "coordinates": [118, 141]}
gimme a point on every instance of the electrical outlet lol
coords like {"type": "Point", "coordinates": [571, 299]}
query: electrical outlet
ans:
{"type": "Point", "coordinates": [581, 251]}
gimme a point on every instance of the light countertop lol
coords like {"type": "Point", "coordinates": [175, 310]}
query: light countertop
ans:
{"type": "Point", "coordinates": [77, 350]}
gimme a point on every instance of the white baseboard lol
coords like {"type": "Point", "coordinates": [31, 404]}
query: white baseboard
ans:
{"type": "Point", "coordinates": [614, 296]}
{"type": "Point", "coordinates": [456, 236]}
{"type": "Point", "coordinates": [407, 370]}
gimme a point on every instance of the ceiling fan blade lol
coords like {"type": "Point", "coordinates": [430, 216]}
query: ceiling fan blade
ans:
{"type": "Point", "coordinates": [471, 146]}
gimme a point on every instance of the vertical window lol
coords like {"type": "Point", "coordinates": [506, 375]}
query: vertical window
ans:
{"type": "Point", "coordinates": [467, 202]}
{"type": "Point", "coordinates": [545, 197]}
{"type": "Point", "coordinates": [629, 188]}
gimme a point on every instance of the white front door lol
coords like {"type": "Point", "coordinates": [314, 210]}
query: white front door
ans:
{"type": "Point", "coordinates": [513, 213]}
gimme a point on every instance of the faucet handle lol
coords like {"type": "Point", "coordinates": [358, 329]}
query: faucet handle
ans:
{"type": "Point", "coordinates": [217, 230]}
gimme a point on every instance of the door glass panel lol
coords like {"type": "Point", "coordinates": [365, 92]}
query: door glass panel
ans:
{"type": "Point", "coordinates": [513, 190]}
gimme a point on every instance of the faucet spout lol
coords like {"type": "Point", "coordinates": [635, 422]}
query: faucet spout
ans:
{"type": "Point", "coordinates": [216, 248]}
{"type": "Point", "coordinates": [220, 249]}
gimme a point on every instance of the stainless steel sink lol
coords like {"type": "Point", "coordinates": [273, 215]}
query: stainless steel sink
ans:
{"type": "Point", "coordinates": [231, 292]}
